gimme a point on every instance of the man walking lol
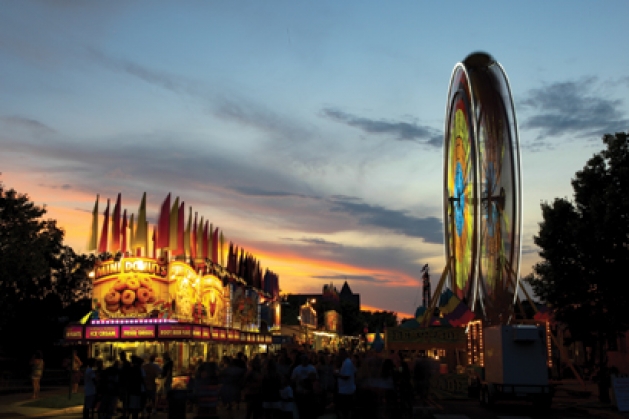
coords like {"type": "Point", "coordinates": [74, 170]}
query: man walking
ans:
{"type": "Point", "coordinates": [151, 372]}
{"type": "Point", "coordinates": [346, 385]}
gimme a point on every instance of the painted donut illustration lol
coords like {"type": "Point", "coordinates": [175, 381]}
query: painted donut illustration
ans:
{"type": "Point", "coordinates": [112, 297]}
{"type": "Point", "coordinates": [143, 295]}
{"type": "Point", "coordinates": [120, 284]}
{"type": "Point", "coordinates": [128, 297]}
{"type": "Point", "coordinates": [133, 284]}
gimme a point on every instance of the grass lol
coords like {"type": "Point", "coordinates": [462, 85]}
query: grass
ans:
{"type": "Point", "coordinates": [57, 401]}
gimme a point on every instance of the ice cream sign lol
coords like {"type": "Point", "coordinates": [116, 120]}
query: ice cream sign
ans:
{"type": "Point", "coordinates": [102, 332]}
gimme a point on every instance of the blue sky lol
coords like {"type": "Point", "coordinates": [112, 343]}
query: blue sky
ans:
{"type": "Point", "coordinates": [310, 132]}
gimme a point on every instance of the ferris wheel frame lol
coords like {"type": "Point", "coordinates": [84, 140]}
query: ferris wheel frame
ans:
{"type": "Point", "coordinates": [496, 217]}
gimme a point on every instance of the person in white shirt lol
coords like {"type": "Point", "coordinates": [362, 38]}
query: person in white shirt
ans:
{"type": "Point", "coordinates": [89, 388]}
{"type": "Point", "coordinates": [346, 385]}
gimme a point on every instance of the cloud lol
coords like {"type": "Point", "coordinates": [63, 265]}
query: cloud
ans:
{"type": "Point", "coordinates": [32, 125]}
{"type": "Point", "coordinates": [315, 241]}
{"type": "Point", "coordinates": [402, 131]}
{"type": "Point", "coordinates": [428, 228]}
{"type": "Point", "coordinates": [529, 249]}
{"type": "Point", "coordinates": [65, 186]}
{"type": "Point", "coordinates": [345, 197]}
{"type": "Point", "coordinates": [572, 108]}
{"type": "Point", "coordinates": [255, 191]}
{"type": "Point", "coordinates": [352, 278]}
{"type": "Point", "coordinates": [227, 106]}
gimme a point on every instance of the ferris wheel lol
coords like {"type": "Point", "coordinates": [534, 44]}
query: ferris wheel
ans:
{"type": "Point", "coordinates": [482, 187]}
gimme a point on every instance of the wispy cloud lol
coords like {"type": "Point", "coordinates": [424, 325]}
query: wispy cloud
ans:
{"type": "Point", "coordinates": [529, 249]}
{"type": "Point", "coordinates": [64, 187]}
{"type": "Point", "coordinates": [314, 241]}
{"type": "Point", "coordinates": [350, 278]}
{"type": "Point", "coordinates": [572, 108]}
{"type": "Point", "coordinates": [400, 130]}
{"type": "Point", "coordinates": [255, 191]}
{"type": "Point", "coordinates": [20, 122]}
{"type": "Point", "coordinates": [231, 107]}
{"type": "Point", "coordinates": [428, 228]}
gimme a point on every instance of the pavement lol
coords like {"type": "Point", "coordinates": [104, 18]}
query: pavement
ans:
{"type": "Point", "coordinates": [13, 403]}
{"type": "Point", "coordinates": [570, 395]}
{"type": "Point", "coordinates": [571, 399]}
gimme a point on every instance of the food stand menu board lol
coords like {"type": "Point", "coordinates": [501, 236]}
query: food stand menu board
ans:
{"type": "Point", "coordinates": [199, 332]}
{"type": "Point", "coordinates": [216, 334]}
{"type": "Point", "coordinates": [137, 332]}
{"type": "Point", "coordinates": [174, 331]}
{"type": "Point", "coordinates": [102, 332]}
{"type": "Point", "coordinates": [74, 333]}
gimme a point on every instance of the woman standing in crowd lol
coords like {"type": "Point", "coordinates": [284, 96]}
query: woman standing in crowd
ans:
{"type": "Point", "coordinates": [76, 372]}
{"type": "Point", "coordinates": [37, 370]}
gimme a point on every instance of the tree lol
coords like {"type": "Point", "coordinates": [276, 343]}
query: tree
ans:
{"type": "Point", "coordinates": [34, 262]}
{"type": "Point", "coordinates": [379, 320]}
{"type": "Point", "coordinates": [585, 250]}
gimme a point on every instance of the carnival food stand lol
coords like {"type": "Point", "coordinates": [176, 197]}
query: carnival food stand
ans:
{"type": "Point", "coordinates": [184, 302]}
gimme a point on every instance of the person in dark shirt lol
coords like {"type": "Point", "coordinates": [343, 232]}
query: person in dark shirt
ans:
{"type": "Point", "coordinates": [271, 387]}
{"type": "Point", "coordinates": [109, 391]}
{"type": "Point", "coordinates": [167, 373]}
{"type": "Point", "coordinates": [123, 383]}
{"type": "Point", "coordinates": [135, 387]}
{"type": "Point", "coordinates": [207, 389]}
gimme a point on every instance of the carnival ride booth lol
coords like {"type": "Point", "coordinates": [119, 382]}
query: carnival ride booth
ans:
{"type": "Point", "coordinates": [446, 345]}
{"type": "Point", "coordinates": [482, 216]}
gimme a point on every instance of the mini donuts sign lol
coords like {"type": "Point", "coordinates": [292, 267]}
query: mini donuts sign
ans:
{"type": "Point", "coordinates": [132, 287]}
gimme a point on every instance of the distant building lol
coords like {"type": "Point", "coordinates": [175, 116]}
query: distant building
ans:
{"type": "Point", "coordinates": [347, 296]}
{"type": "Point", "coordinates": [329, 294]}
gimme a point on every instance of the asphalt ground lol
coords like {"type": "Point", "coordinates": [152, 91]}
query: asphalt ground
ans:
{"type": "Point", "coordinates": [571, 401]}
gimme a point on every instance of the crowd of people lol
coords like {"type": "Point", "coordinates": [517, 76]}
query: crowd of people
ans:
{"type": "Point", "coordinates": [285, 385]}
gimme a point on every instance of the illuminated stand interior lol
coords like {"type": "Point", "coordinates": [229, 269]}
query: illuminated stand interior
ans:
{"type": "Point", "coordinates": [196, 300]}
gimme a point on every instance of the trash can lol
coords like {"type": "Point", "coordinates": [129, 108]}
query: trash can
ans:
{"type": "Point", "coordinates": [177, 404]}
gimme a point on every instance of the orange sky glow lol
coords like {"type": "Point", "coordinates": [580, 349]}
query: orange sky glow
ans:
{"type": "Point", "coordinates": [295, 271]}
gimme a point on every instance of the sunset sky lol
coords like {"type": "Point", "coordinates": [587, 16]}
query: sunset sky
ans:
{"type": "Point", "coordinates": [311, 133]}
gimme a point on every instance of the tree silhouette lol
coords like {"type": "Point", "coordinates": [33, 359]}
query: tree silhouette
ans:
{"type": "Point", "coordinates": [34, 262]}
{"type": "Point", "coordinates": [585, 250]}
